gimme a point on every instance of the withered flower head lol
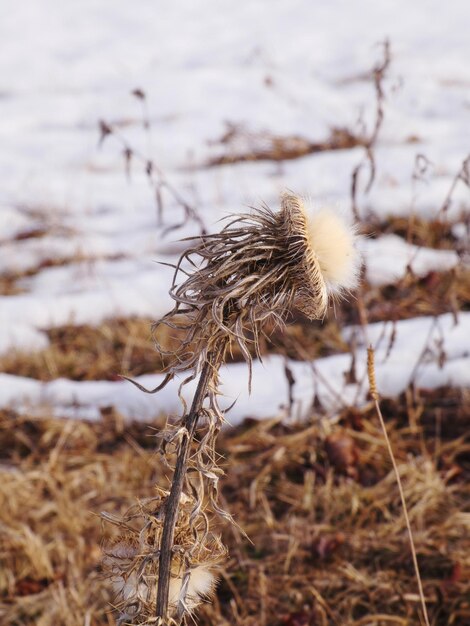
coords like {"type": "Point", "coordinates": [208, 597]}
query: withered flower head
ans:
{"type": "Point", "coordinates": [259, 267]}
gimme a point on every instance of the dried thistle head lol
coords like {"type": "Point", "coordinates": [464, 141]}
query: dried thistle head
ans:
{"type": "Point", "coordinates": [259, 267]}
{"type": "Point", "coordinates": [131, 561]}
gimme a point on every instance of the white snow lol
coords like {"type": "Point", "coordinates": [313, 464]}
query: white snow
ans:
{"type": "Point", "coordinates": [92, 291]}
{"type": "Point", "coordinates": [388, 258]}
{"type": "Point", "coordinates": [21, 337]}
{"type": "Point", "coordinates": [297, 70]}
{"type": "Point", "coordinates": [431, 352]}
{"type": "Point", "coordinates": [290, 67]}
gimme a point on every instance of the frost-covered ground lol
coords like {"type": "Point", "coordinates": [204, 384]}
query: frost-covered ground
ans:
{"type": "Point", "coordinates": [282, 68]}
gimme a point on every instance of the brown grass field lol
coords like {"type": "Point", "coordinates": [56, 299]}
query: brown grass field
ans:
{"type": "Point", "coordinates": [318, 500]}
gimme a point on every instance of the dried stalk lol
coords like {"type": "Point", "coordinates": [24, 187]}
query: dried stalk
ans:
{"type": "Point", "coordinates": [227, 286]}
{"type": "Point", "coordinates": [172, 503]}
{"type": "Point", "coordinates": [378, 75]}
{"type": "Point", "coordinates": [158, 181]}
{"type": "Point", "coordinates": [375, 397]}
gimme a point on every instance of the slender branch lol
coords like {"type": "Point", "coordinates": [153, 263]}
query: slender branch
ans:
{"type": "Point", "coordinates": [172, 504]}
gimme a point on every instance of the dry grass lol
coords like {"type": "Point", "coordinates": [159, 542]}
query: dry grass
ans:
{"type": "Point", "coordinates": [435, 294]}
{"type": "Point", "coordinates": [241, 145]}
{"type": "Point", "coordinates": [89, 353]}
{"type": "Point", "coordinates": [319, 503]}
{"type": "Point", "coordinates": [56, 477]}
{"type": "Point", "coordinates": [10, 282]}
{"type": "Point", "coordinates": [435, 233]}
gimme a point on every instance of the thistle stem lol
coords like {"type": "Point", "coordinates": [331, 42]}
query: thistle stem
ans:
{"type": "Point", "coordinates": [172, 504]}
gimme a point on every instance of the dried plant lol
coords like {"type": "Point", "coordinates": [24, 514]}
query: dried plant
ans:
{"type": "Point", "coordinates": [378, 75]}
{"type": "Point", "coordinates": [375, 397]}
{"type": "Point", "coordinates": [133, 570]}
{"type": "Point", "coordinates": [242, 144]}
{"type": "Point", "coordinates": [157, 179]}
{"type": "Point", "coordinates": [258, 268]}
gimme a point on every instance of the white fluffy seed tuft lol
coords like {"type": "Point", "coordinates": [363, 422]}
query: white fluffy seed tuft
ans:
{"type": "Point", "coordinates": [333, 240]}
{"type": "Point", "coordinates": [129, 587]}
{"type": "Point", "coordinates": [201, 585]}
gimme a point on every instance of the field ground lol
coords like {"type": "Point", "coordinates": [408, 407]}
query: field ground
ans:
{"type": "Point", "coordinates": [131, 129]}
{"type": "Point", "coordinates": [317, 499]}
{"type": "Point", "coordinates": [318, 502]}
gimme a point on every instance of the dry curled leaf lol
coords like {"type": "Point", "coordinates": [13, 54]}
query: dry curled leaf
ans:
{"type": "Point", "coordinates": [342, 453]}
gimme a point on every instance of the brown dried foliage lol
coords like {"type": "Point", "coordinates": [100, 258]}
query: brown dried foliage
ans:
{"type": "Point", "coordinates": [243, 145]}
{"type": "Point", "coordinates": [130, 562]}
{"type": "Point", "coordinates": [327, 529]}
{"type": "Point", "coordinates": [84, 352]}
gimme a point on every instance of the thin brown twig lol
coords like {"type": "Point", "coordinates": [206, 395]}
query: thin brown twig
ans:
{"type": "Point", "coordinates": [155, 175]}
{"type": "Point", "coordinates": [378, 75]}
{"type": "Point", "coordinates": [375, 397]}
{"type": "Point", "coordinates": [462, 175]}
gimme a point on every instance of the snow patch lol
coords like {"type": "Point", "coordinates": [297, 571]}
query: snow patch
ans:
{"type": "Point", "coordinates": [432, 352]}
